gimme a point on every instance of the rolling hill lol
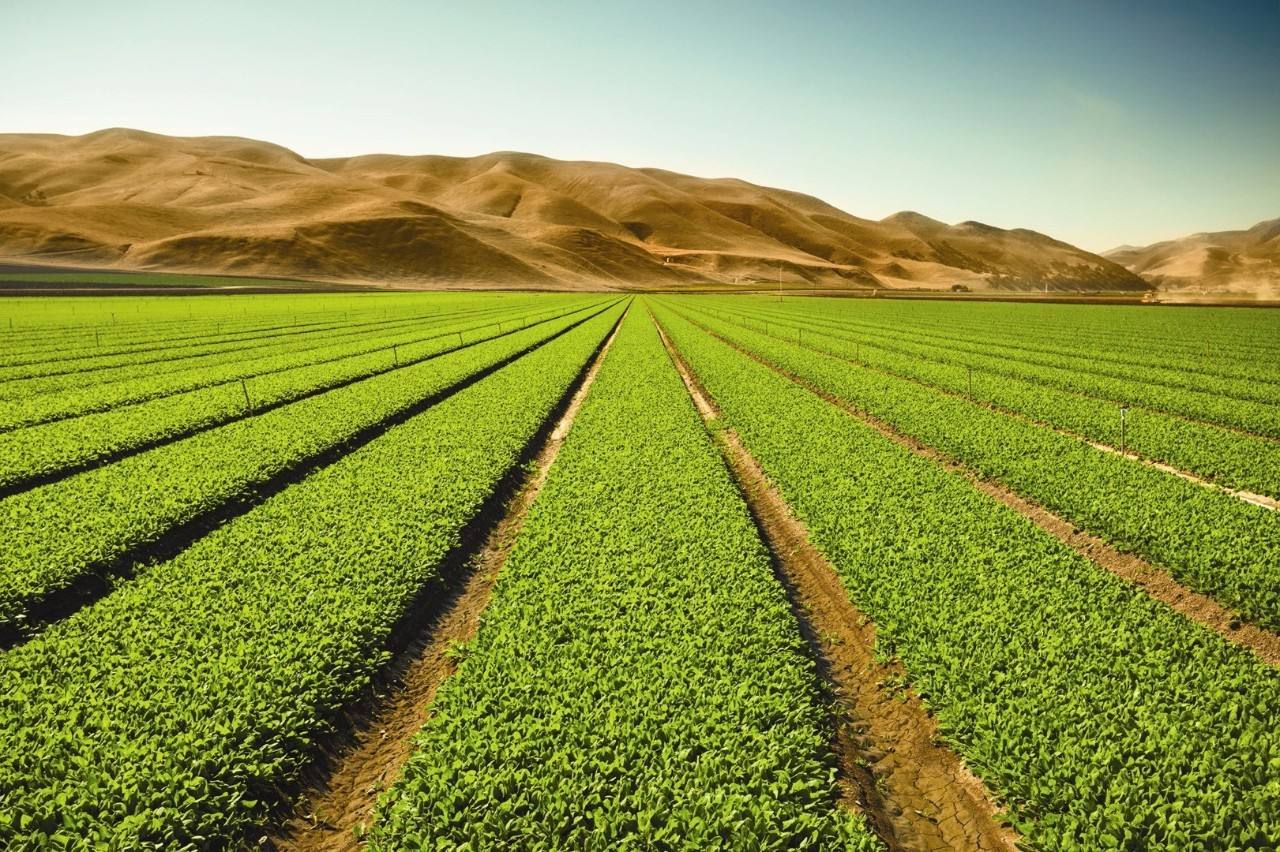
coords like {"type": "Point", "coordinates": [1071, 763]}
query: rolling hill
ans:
{"type": "Point", "coordinates": [127, 199]}
{"type": "Point", "coordinates": [1237, 262]}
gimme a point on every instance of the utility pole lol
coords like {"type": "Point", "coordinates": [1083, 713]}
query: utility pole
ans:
{"type": "Point", "coordinates": [248, 406]}
{"type": "Point", "coordinates": [1124, 411]}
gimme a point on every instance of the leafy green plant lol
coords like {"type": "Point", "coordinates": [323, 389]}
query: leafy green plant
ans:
{"type": "Point", "coordinates": [138, 500]}
{"type": "Point", "coordinates": [639, 681]}
{"type": "Point", "coordinates": [1211, 541]}
{"type": "Point", "coordinates": [1067, 397]}
{"type": "Point", "coordinates": [172, 712]}
{"type": "Point", "coordinates": [1099, 715]}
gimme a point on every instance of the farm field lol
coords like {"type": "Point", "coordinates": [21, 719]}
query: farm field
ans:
{"type": "Point", "coordinates": [599, 571]}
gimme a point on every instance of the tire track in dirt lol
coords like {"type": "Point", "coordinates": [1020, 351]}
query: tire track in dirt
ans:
{"type": "Point", "coordinates": [328, 817]}
{"type": "Point", "coordinates": [916, 793]}
{"type": "Point", "coordinates": [1155, 581]}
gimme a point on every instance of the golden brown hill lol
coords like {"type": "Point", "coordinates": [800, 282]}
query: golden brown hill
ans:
{"type": "Point", "coordinates": [1236, 262]}
{"type": "Point", "coordinates": [134, 200]}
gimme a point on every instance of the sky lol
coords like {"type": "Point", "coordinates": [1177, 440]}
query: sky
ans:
{"type": "Point", "coordinates": [1096, 123]}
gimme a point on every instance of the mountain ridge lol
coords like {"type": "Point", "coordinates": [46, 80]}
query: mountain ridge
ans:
{"type": "Point", "coordinates": [1244, 261]}
{"type": "Point", "coordinates": [129, 199]}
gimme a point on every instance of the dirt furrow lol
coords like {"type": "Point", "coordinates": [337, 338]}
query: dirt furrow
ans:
{"type": "Point", "coordinates": [916, 793]}
{"type": "Point", "coordinates": [1155, 581]}
{"type": "Point", "coordinates": [329, 815]}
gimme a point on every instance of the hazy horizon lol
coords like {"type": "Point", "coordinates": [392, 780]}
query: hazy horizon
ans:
{"type": "Point", "coordinates": [1097, 125]}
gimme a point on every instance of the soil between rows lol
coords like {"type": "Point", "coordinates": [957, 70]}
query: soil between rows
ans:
{"type": "Point", "coordinates": [916, 793]}
{"type": "Point", "coordinates": [1155, 581]}
{"type": "Point", "coordinates": [343, 796]}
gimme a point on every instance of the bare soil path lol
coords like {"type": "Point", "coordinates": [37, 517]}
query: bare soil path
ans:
{"type": "Point", "coordinates": [328, 817]}
{"type": "Point", "coordinates": [916, 793]}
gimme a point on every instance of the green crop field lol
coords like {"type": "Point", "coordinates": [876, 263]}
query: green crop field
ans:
{"type": "Point", "coordinates": [597, 571]}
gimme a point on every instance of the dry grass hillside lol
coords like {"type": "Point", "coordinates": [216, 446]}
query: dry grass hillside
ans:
{"type": "Point", "coordinates": [133, 200]}
{"type": "Point", "coordinates": [1233, 262]}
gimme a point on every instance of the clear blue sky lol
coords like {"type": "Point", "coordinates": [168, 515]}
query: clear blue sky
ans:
{"type": "Point", "coordinates": [1098, 123]}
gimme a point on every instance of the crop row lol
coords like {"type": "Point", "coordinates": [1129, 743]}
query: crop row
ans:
{"type": "Point", "coordinates": [1229, 458]}
{"type": "Point", "coordinates": [1252, 415]}
{"type": "Point", "coordinates": [1179, 351]}
{"type": "Point", "coordinates": [638, 681]}
{"type": "Point", "coordinates": [1212, 541]}
{"type": "Point", "coordinates": [75, 402]}
{"type": "Point", "coordinates": [1104, 719]}
{"type": "Point", "coordinates": [1228, 338]}
{"type": "Point", "coordinates": [57, 376]}
{"type": "Point", "coordinates": [27, 455]}
{"type": "Point", "coordinates": [54, 365]}
{"type": "Point", "coordinates": [52, 368]}
{"type": "Point", "coordinates": [205, 324]}
{"type": "Point", "coordinates": [172, 713]}
{"type": "Point", "coordinates": [72, 529]}
{"type": "Point", "coordinates": [101, 343]}
{"type": "Point", "coordinates": [1082, 362]}
{"type": "Point", "coordinates": [37, 318]}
